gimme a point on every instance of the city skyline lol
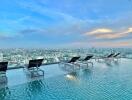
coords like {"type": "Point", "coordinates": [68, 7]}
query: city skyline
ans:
{"type": "Point", "coordinates": [65, 23]}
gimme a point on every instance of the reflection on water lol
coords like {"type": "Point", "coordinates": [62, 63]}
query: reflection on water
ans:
{"type": "Point", "coordinates": [87, 72]}
{"type": "Point", "coordinates": [108, 64]}
{"type": "Point", "coordinates": [72, 76]}
{"type": "Point", "coordinates": [4, 93]}
{"type": "Point", "coordinates": [97, 83]}
{"type": "Point", "coordinates": [116, 63]}
{"type": "Point", "coordinates": [3, 81]}
{"type": "Point", "coordinates": [77, 77]}
{"type": "Point", "coordinates": [35, 86]}
{"type": "Point", "coordinates": [112, 63]}
{"type": "Point", "coordinates": [68, 67]}
{"type": "Point", "coordinates": [24, 92]}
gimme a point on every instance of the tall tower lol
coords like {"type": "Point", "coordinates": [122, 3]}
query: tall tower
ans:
{"type": "Point", "coordinates": [1, 56]}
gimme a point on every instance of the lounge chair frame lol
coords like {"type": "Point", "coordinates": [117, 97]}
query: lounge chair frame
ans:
{"type": "Point", "coordinates": [87, 61]}
{"type": "Point", "coordinates": [108, 57]}
{"type": "Point", "coordinates": [33, 67]}
{"type": "Point", "coordinates": [73, 63]}
{"type": "Point", "coordinates": [3, 69]}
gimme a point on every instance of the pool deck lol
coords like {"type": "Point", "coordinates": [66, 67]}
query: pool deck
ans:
{"type": "Point", "coordinates": [19, 76]}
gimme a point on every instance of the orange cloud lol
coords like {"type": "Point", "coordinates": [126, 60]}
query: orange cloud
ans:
{"type": "Point", "coordinates": [101, 30]}
{"type": "Point", "coordinates": [129, 30]}
{"type": "Point", "coordinates": [104, 33]}
{"type": "Point", "coordinates": [127, 43]}
{"type": "Point", "coordinates": [110, 36]}
{"type": "Point", "coordinates": [113, 44]}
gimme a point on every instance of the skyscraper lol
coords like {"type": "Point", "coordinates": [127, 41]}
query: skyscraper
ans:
{"type": "Point", "coordinates": [1, 56]}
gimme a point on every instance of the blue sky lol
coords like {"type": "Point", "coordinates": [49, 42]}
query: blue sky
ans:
{"type": "Point", "coordinates": [65, 23]}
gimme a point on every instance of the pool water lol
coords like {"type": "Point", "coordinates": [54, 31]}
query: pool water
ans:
{"type": "Point", "coordinates": [102, 82]}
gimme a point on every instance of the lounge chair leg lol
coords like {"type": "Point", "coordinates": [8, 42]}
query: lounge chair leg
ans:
{"type": "Point", "coordinates": [42, 72]}
{"type": "Point", "coordinates": [92, 64]}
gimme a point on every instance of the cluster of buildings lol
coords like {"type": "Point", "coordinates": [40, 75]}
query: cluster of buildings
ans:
{"type": "Point", "coordinates": [19, 57]}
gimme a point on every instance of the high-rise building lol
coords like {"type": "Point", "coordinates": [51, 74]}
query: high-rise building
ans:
{"type": "Point", "coordinates": [1, 56]}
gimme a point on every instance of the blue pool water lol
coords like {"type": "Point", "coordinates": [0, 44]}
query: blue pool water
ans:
{"type": "Point", "coordinates": [102, 82]}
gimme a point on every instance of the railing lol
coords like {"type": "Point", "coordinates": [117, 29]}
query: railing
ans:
{"type": "Point", "coordinates": [18, 67]}
{"type": "Point", "coordinates": [22, 66]}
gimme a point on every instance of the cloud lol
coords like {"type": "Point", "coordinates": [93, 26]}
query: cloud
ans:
{"type": "Point", "coordinates": [8, 34]}
{"type": "Point", "coordinates": [61, 22]}
{"type": "Point", "coordinates": [104, 33]}
{"type": "Point", "coordinates": [107, 44]}
{"type": "Point", "coordinates": [70, 24]}
{"type": "Point", "coordinates": [129, 30]}
{"type": "Point", "coordinates": [113, 44]}
{"type": "Point", "coordinates": [40, 9]}
{"type": "Point", "coordinates": [28, 31]}
{"type": "Point", "coordinates": [4, 36]}
{"type": "Point", "coordinates": [110, 36]}
{"type": "Point", "coordinates": [101, 30]}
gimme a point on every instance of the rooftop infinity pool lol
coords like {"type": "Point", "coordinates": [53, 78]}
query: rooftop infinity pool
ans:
{"type": "Point", "coordinates": [104, 81]}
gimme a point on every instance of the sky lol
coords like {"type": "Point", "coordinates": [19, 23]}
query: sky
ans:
{"type": "Point", "coordinates": [65, 23]}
